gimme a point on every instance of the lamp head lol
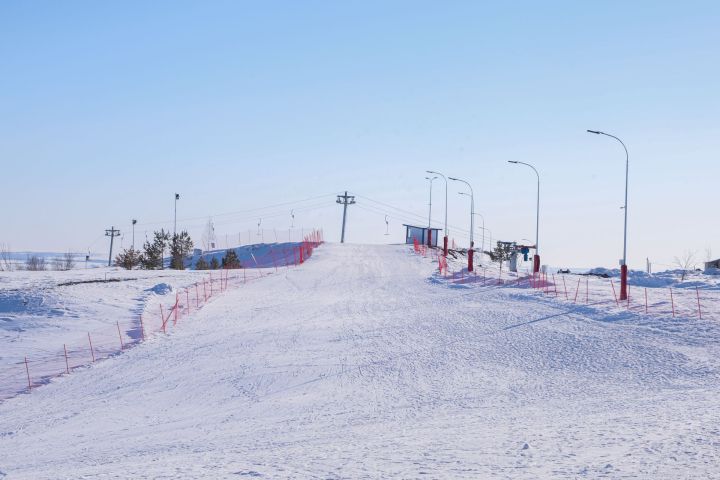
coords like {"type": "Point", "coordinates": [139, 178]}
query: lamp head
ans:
{"type": "Point", "coordinates": [594, 131]}
{"type": "Point", "coordinates": [453, 178]}
{"type": "Point", "coordinates": [512, 161]}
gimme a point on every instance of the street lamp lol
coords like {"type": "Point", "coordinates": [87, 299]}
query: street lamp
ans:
{"type": "Point", "coordinates": [623, 267]}
{"type": "Point", "coordinates": [430, 211]}
{"type": "Point", "coordinates": [482, 246]}
{"type": "Point", "coordinates": [133, 228]}
{"type": "Point", "coordinates": [490, 232]}
{"type": "Point", "coordinates": [445, 240]}
{"type": "Point", "coordinates": [177, 197]}
{"type": "Point", "coordinates": [472, 221]}
{"type": "Point", "coordinates": [536, 258]}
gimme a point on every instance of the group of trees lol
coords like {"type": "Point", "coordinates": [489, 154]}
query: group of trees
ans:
{"type": "Point", "coordinates": [230, 260]}
{"type": "Point", "coordinates": [180, 246]}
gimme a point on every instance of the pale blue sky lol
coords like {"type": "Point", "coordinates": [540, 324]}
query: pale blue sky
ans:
{"type": "Point", "coordinates": [108, 108]}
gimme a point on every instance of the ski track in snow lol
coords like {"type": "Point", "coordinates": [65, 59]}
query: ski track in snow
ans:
{"type": "Point", "coordinates": [356, 365]}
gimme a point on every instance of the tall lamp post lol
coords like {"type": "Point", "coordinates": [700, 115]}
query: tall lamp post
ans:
{"type": "Point", "coordinates": [536, 258]}
{"type": "Point", "coordinates": [134, 221]}
{"type": "Point", "coordinates": [445, 239]}
{"type": "Point", "coordinates": [482, 246]}
{"type": "Point", "coordinates": [472, 221]}
{"type": "Point", "coordinates": [623, 266]}
{"type": "Point", "coordinates": [429, 238]}
{"type": "Point", "coordinates": [177, 197]}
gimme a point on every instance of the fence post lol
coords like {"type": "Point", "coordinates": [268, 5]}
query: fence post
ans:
{"type": "Point", "coordinates": [67, 364]}
{"type": "Point", "coordinates": [628, 296]}
{"type": "Point", "coordinates": [565, 287]}
{"type": "Point", "coordinates": [646, 302]}
{"type": "Point", "coordinates": [27, 370]}
{"type": "Point", "coordinates": [697, 291]}
{"type": "Point", "coordinates": [92, 351]}
{"type": "Point", "coordinates": [187, 299]}
{"type": "Point", "coordinates": [122, 346]}
{"type": "Point", "coordinates": [142, 328]}
{"type": "Point", "coordinates": [587, 290]}
{"type": "Point", "coordinates": [577, 289]}
{"type": "Point", "coordinates": [162, 318]}
{"type": "Point", "coordinates": [614, 294]}
{"type": "Point", "coordinates": [672, 303]}
{"type": "Point", "coordinates": [554, 285]}
{"type": "Point", "coordinates": [197, 296]}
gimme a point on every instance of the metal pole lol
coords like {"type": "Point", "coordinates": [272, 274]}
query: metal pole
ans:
{"type": "Point", "coordinates": [342, 236]}
{"type": "Point", "coordinates": [133, 228]}
{"type": "Point", "coordinates": [472, 221]}
{"type": "Point", "coordinates": [177, 197]}
{"type": "Point", "coordinates": [536, 262]}
{"type": "Point", "coordinates": [445, 240]}
{"type": "Point", "coordinates": [345, 200]}
{"type": "Point", "coordinates": [623, 267]}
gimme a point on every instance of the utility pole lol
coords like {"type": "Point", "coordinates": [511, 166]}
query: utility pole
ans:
{"type": "Point", "coordinates": [112, 233]}
{"type": "Point", "coordinates": [344, 200]}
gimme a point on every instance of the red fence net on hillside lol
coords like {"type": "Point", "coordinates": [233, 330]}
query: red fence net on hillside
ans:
{"type": "Point", "coordinates": [40, 366]}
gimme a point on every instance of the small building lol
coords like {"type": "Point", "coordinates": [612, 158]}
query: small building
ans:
{"type": "Point", "coordinates": [424, 235]}
{"type": "Point", "coordinates": [713, 264]}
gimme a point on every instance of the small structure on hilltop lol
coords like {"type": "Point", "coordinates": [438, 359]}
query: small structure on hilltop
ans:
{"type": "Point", "coordinates": [712, 265]}
{"type": "Point", "coordinates": [424, 235]}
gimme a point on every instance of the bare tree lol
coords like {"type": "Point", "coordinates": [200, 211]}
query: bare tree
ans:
{"type": "Point", "coordinates": [35, 263]}
{"type": "Point", "coordinates": [685, 263]}
{"type": "Point", "coordinates": [6, 263]}
{"type": "Point", "coordinates": [57, 264]}
{"type": "Point", "coordinates": [69, 260]}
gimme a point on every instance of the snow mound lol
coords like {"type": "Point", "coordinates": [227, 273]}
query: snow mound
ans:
{"type": "Point", "coordinates": [161, 289]}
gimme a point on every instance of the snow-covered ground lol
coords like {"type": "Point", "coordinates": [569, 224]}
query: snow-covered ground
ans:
{"type": "Point", "coordinates": [365, 363]}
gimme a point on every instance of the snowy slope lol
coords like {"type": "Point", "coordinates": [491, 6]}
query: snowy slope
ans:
{"type": "Point", "coordinates": [361, 364]}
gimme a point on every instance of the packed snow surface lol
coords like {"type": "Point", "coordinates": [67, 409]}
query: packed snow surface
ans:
{"type": "Point", "coordinates": [364, 363]}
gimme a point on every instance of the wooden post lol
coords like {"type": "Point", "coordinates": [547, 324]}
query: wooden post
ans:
{"type": "Point", "coordinates": [565, 287]}
{"type": "Point", "coordinates": [646, 302]}
{"type": "Point", "coordinates": [122, 346]}
{"type": "Point", "coordinates": [197, 296]}
{"type": "Point", "coordinates": [577, 289]}
{"type": "Point", "coordinates": [27, 370]}
{"type": "Point", "coordinates": [697, 291]}
{"type": "Point", "coordinates": [628, 296]}
{"type": "Point", "coordinates": [92, 351]}
{"type": "Point", "coordinates": [614, 294]}
{"type": "Point", "coordinates": [587, 290]}
{"type": "Point", "coordinates": [67, 364]}
{"type": "Point", "coordinates": [142, 328]}
{"type": "Point", "coordinates": [672, 303]}
{"type": "Point", "coordinates": [187, 298]}
{"type": "Point", "coordinates": [162, 318]}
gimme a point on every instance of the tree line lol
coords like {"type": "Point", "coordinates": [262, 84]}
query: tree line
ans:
{"type": "Point", "coordinates": [179, 245]}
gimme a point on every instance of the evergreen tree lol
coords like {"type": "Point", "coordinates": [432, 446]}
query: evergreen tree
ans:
{"type": "Point", "coordinates": [214, 264]}
{"type": "Point", "coordinates": [128, 259]}
{"type": "Point", "coordinates": [152, 256]}
{"type": "Point", "coordinates": [201, 264]}
{"type": "Point", "coordinates": [180, 248]}
{"type": "Point", "coordinates": [231, 260]}
{"type": "Point", "coordinates": [502, 252]}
